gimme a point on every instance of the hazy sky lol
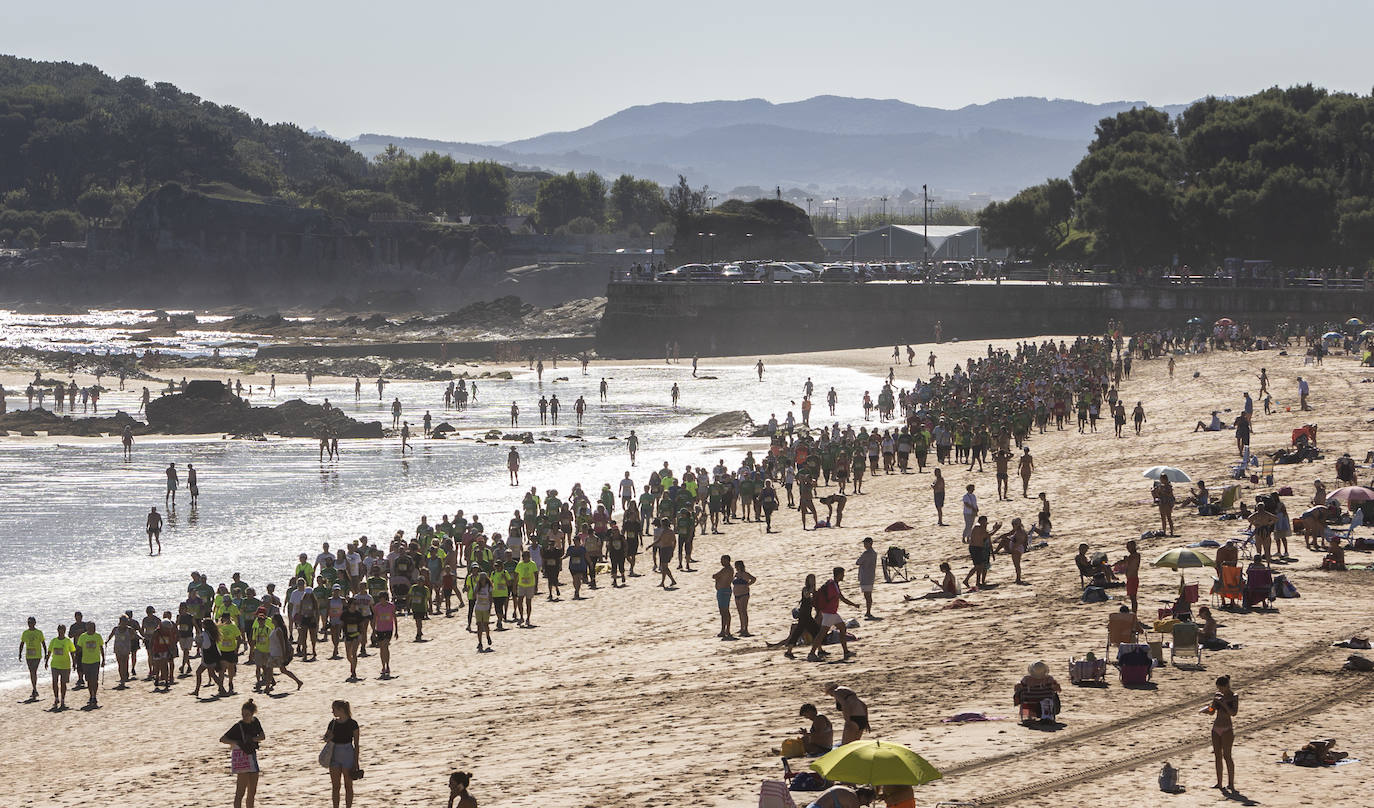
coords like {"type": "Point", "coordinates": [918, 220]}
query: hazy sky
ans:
{"type": "Point", "coordinates": [483, 71]}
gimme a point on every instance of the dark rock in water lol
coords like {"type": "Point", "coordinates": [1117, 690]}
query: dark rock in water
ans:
{"type": "Point", "coordinates": [210, 407]}
{"type": "Point", "coordinates": [28, 422]}
{"type": "Point", "coordinates": [703, 378]}
{"type": "Point", "coordinates": [760, 432]}
{"type": "Point", "coordinates": [733, 424]}
{"type": "Point", "coordinates": [442, 428]}
{"type": "Point", "coordinates": [493, 434]}
{"type": "Point", "coordinates": [522, 437]}
{"type": "Point", "coordinates": [414, 370]}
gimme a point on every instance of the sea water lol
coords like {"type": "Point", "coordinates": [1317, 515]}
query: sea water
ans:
{"type": "Point", "coordinates": [74, 512]}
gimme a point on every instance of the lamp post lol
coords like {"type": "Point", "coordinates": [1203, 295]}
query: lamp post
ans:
{"type": "Point", "coordinates": [713, 248]}
{"type": "Point", "coordinates": [748, 245]}
{"type": "Point", "coordinates": [809, 200]}
{"type": "Point", "coordinates": [710, 202]}
{"type": "Point", "coordinates": [884, 201]}
{"type": "Point", "coordinates": [701, 246]}
{"type": "Point", "coordinates": [925, 230]}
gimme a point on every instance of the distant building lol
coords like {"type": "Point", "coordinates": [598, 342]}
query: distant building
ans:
{"type": "Point", "coordinates": [907, 242]}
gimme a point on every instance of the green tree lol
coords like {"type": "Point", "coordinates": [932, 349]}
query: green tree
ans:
{"type": "Point", "coordinates": [636, 203]}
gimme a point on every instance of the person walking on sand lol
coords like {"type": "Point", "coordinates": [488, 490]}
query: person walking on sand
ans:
{"type": "Point", "coordinates": [665, 542]}
{"type": "Point", "coordinates": [342, 737]}
{"type": "Point", "coordinates": [91, 647]}
{"type": "Point", "coordinates": [1223, 708]}
{"type": "Point", "coordinates": [33, 646]}
{"type": "Point", "coordinates": [1138, 416]}
{"type": "Point", "coordinates": [243, 739]}
{"type": "Point", "coordinates": [970, 506]}
{"type": "Point", "coordinates": [1025, 467]}
{"type": "Point", "coordinates": [980, 551]}
{"type": "Point", "coordinates": [154, 528]}
{"type": "Point", "coordinates": [1303, 390]}
{"type": "Point", "coordinates": [58, 659]}
{"type": "Point", "coordinates": [828, 600]}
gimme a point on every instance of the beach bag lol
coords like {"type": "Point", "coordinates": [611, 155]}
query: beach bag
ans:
{"type": "Point", "coordinates": [1094, 594]}
{"type": "Point", "coordinates": [327, 752]}
{"type": "Point", "coordinates": [1168, 779]}
{"type": "Point", "coordinates": [1283, 588]}
{"type": "Point", "coordinates": [793, 748]}
{"type": "Point", "coordinates": [240, 762]}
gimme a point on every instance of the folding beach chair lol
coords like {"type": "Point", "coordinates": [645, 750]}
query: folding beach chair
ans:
{"type": "Point", "coordinates": [894, 565]}
{"type": "Point", "coordinates": [1228, 498]}
{"type": "Point", "coordinates": [1259, 586]}
{"type": "Point", "coordinates": [1185, 642]}
{"type": "Point", "coordinates": [1087, 671]}
{"type": "Point", "coordinates": [1121, 630]}
{"type": "Point", "coordinates": [1228, 588]}
{"type": "Point", "coordinates": [774, 794]}
{"type": "Point", "coordinates": [1134, 665]}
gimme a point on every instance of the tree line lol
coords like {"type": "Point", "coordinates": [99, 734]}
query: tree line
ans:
{"type": "Point", "coordinates": [1285, 175]}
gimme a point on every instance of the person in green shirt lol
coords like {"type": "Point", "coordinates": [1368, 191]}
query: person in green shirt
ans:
{"type": "Point", "coordinates": [59, 654]}
{"type": "Point", "coordinates": [261, 633]}
{"type": "Point", "coordinates": [418, 597]}
{"type": "Point", "coordinates": [685, 528]}
{"type": "Point", "coordinates": [526, 587]}
{"type": "Point", "coordinates": [92, 648]}
{"type": "Point", "coordinates": [304, 569]}
{"type": "Point", "coordinates": [229, 636]}
{"type": "Point", "coordinates": [33, 646]}
{"type": "Point", "coordinates": [500, 594]}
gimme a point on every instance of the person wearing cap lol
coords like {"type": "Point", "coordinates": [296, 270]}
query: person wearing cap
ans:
{"type": "Point", "coordinates": [868, 574]}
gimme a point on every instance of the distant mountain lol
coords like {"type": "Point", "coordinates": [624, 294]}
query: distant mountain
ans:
{"type": "Point", "coordinates": [831, 141]}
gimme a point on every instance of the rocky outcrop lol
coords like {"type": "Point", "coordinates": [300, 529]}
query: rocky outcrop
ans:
{"type": "Point", "coordinates": [733, 424]}
{"type": "Point", "coordinates": [210, 407]}
{"type": "Point", "coordinates": [29, 422]}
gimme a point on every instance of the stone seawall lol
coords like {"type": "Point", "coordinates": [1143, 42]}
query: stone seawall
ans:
{"type": "Point", "coordinates": [718, 319]}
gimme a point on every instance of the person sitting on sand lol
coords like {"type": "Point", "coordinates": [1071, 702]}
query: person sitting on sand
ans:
{"type": "Point", "coordinates": [949, 585]}
{"type": "Point", "coordinates": [1208, 636]}
{"type": "Point", "coordinates": [897, 796]}
{"type": "Point", "coordinates": [1215, 425]}
{"type": "Point", "coordinates": [819, 737]}
{"type": "Point", "coordinates": [1038, 693]}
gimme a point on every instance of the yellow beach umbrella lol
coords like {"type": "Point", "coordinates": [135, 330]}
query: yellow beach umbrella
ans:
{"type": "Point", "coordinates": [875, 763]}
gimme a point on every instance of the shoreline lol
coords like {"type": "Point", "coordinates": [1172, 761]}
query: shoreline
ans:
{"type": "Point", "coordinates": [642, 663]}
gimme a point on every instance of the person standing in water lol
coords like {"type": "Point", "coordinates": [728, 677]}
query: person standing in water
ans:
{"type": "Point", "coordinates": [632, 443]}
{"type": "Point", "coordinates": [154, 528]}
{"type": "Point", "coordinates": [172, 482]}
{"type": "Point", "coordinates": [513, 466]}
{"type": "Point", "coordinates": [126, 438]}
{"type": "Point", "coordinates": [192, 484]}
{"type": "Point", "coordinates": [759, 367]}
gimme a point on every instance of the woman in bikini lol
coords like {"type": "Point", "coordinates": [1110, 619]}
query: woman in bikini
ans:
{"type": "Point", "coordinates": [740, 588]}
{"type": "Point", "coordinates": [1223, 708]}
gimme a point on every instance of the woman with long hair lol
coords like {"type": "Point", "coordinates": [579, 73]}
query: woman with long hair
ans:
{"type": "Point", "coordinates": [806, 618]}
{"type": "Point", "coordinates": [279, 652]}
{"type": "Point", "coordinates": [243, 739]}
{"type": "Point", "coordinates": [342, 733]}
{"type": "Point", "coordinates": [209, 656]}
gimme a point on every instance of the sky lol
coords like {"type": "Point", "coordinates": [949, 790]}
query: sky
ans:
{"type": "Point", "coordinates": [493, 71]}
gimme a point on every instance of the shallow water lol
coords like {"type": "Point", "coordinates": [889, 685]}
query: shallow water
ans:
{"type": "Point", "coordinates": [75, 512]}
{"type": "Point", "coordinates": [101, 330]}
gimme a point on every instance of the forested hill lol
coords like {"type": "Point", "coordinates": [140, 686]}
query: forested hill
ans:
{"type": "Point", "coordinates": [75, 139]}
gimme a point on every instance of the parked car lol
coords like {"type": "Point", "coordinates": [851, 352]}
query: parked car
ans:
{"type": "Point", "coordinates": [784, 272]}
{"type": "Point", "coordinates": [690, 272]}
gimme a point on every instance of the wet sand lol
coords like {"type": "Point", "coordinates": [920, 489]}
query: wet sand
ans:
{"type": "Point", "coordinates": [628, 699]}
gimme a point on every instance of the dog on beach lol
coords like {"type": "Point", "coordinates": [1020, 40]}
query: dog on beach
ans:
{"type": "Point", "coordinates": [458, 790]}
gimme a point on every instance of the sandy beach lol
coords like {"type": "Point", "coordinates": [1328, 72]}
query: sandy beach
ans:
{"type": "Point", "coordinates": [628, 698]}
